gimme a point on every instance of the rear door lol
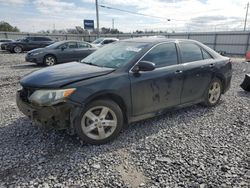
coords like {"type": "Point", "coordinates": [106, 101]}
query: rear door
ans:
{"type": "Point", "coordinates": [161, 88]}
{"type": "Point", "coordinates": [38, 42]}
{"type": "Point", "coordinates": [198, 65]}
{"type": "Point", "coordinates": [83, 50]}
{"type": "Point", "coordinates": [30, 44]}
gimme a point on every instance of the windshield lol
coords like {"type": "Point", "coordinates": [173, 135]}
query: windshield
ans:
{"type": "Point", "coordinates": [98, 41]}
{"type": "Point", "coordinates": [114, 55]}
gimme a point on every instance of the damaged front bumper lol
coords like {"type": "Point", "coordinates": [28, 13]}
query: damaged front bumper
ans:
{"type": "Point", "coordinates": [60, 116]}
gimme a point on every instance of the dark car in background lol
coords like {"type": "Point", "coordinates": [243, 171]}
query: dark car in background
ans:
{"type": "Point", "coordinates": [124, 82]}
{"type": "Point", "coordinates": [5, 40]}
{"type": "Point", "coordinates": [27, 43]}
{"type": "Point", "coordinates": [3, 43]}
{"type": "Point", "coordinates": [60, 52]}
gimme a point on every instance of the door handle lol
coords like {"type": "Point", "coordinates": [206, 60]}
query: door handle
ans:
{"type": "Point", "coordinates": [211, 65]}
{"type": "Point", "coordinates": [178, 72]}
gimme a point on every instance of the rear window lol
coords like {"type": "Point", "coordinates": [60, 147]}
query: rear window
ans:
{"type": "Point", "coordinates": [108, 41]}
{"type": "Point", "coordinates": [190, 52]}
{"type": "Point", "coordinates": [83, 45]}
{"type": "Point", "coordinates": [206, 55]}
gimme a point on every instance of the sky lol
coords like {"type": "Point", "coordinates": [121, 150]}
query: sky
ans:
{"type": "Point", "coordinates": [184, 15]}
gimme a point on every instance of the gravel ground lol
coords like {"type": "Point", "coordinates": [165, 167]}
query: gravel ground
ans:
{"type": "Point", "coordinates": [192, 147]}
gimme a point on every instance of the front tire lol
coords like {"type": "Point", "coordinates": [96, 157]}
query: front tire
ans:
{"type": "Point", "coordinates": [100, 122]}
{"type": "Point", "coordinates": [49, 60]}
{"type": "Point", "coordinates": [17, 49]}
{"type": "Point", "coordinates": [213, 93]}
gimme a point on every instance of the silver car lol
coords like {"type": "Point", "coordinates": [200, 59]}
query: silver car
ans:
{"type": "Point", "coordinates": [103, 41]}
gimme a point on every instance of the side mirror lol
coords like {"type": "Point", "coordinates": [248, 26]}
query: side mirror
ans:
{"type": "Point", "coordinates": [144, 66]}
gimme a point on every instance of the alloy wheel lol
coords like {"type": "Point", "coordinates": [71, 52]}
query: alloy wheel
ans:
{"type": "Point", "coordinates": [99, 122]}
{"type": "Point", "coordinates": [50, 61]}
{"type": "Point", "coordinates": [214, 92]}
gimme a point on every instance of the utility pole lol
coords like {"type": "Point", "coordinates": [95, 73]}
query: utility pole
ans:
{"type": "Point", "coordinates": [113, 23]}
{"type": "Point", "coordinates": [97, 17]}
{"type": "Point", "coordinates": [246, 17]}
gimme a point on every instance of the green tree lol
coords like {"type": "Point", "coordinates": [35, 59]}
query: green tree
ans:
{"type": "Point", "coordinates": [5, 26]}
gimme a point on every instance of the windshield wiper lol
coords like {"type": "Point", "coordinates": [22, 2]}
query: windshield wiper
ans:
{"type": "Point", "coordinates": [89, 63]}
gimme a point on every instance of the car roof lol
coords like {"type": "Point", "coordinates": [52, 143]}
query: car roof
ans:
{"type": "Point", "coordinates": [37, 37]}
{"type": "Point", "coordinates": [64, 41]}
{"type": "Point", "coordinates": [72, 41]}
{"type": "Point", "coordinates": [108, 38]}
{"type": "Point", "coordinates": [156, 40]}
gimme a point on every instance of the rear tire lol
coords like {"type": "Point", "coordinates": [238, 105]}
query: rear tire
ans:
{"type": "Point", "coordinates": [49, 60]}
{"type": "Point", "coordinates": [100, 122]}
{"type": "Point", "coordinates": [213, 93]}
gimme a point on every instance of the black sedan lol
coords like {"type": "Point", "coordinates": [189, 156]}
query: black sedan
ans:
{"type": "Point", "coordinates": [27, 43]}
{"type": "Point", "coordinates": [124, 82]}
{"type": "Point", "coordinates": [60, 52]}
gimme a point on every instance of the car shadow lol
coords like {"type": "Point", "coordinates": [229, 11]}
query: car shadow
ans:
{"type": "Point", "coordinates": [8, 52]}
{"type": "Point", "coordinates": [36, 146]}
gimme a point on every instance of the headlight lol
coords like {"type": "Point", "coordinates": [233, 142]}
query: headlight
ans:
{"type": "Point", "coordinates": [50, 97]}
{"type": "Point", "coordinates": [19, 87]}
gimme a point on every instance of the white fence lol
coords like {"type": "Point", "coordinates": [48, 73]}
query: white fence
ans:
{"type": "Point", "coordinates": [232, 43]}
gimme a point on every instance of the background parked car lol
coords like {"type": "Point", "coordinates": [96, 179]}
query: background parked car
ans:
{"type": "Point", "coordinates": [3, 42]}
{"type": "Point", "coordinates": [60, 52]}
{"type": "Point", "coordinates": [103, 41]}
{"type": "Point", "coordinates": [28, 43]}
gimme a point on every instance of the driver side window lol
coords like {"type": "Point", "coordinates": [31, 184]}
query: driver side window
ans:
{"type": "Point", "coordinates": [162, 55]}
{"type": "Point", "coordinates": [65, 46]}
{"type": "Point", "coordinates": [72, 45]}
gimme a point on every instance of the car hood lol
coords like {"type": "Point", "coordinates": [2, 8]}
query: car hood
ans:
{"type": "Point", "coordinates": [36, 50]}
{"type": "Point", "coordinates": [14, 42]}
{"type": "Point", "coordinates": [60, 75]}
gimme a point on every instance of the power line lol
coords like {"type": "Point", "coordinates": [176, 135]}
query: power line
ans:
{"type": "Point", "coordinates": [147, 15]}
{"type": "Point", "coordinates": [131, 12]}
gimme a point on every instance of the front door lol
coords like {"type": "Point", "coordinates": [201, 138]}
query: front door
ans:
{"type": "Point", "coordinates": [67, 52]}
{"type": "Point", "coordinates": [161, 88]}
